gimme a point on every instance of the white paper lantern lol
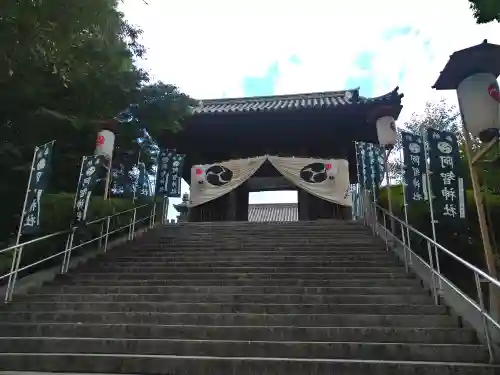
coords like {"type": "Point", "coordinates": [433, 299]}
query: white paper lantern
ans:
{"type": "Point", "coordinates": [105, 143]}
{"type": "Point", "coordinates": [479, 99]}
{"type": "Point", "coordinates": [198, 175]}
{"type": "Point", "coordinates": [386, 131]}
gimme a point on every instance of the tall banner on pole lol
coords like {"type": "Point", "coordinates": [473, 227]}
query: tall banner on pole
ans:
{"type": "Point", "coordinates": [92, 168]}
{"type": "Point", "coordinates": [173, 186]}
{"type": "Point", "coordinates": [142, 186]}
{"type": "Point", "coordinates": [360, 166]}
{"type": "Point", "coordinates": [168, 181]}
{"type": "Point", "coordinates": [37, 183]}
{"type": "Point", "coordinates": [446, 179]}
{"type": "Point", "coordinates": [164, 163]}
{"type": "Point", "coordinates": [415, 175]}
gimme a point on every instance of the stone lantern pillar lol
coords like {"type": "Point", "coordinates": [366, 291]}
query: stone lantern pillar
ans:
{"type": "Point", "coordinates": [183, 208]}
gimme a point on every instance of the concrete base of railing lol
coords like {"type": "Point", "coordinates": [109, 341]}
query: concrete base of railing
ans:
{"type": "Point", "coordinates": [447, 295]}
{"type": "Point", "coordinates": [37, 279]}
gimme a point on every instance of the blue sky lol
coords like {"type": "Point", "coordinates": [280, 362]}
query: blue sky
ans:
{"type": "Point", "coordinates": [219, 48]}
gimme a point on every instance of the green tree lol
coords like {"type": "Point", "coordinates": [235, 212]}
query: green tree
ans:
{"type": "Point", "coordinates": [485, 10]}
{"type": "Point", "coordinates": [65, 68]}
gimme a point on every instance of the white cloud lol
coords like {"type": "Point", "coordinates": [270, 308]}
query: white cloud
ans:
{"type": "Point", "coordinates": [207, 47]}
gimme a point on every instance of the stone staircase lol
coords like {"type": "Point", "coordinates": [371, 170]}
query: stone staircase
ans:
{"type": "Point", "coordinates": [239, 299]}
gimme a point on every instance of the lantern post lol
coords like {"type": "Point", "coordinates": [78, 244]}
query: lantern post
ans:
{"type": "Point", "coordinates": [473, 73]}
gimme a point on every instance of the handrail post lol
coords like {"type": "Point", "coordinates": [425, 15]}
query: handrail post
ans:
{"type": "Point", "coordinates": [132, 226]}
{"type": "Point", "coordinates": [101, 235]}
{"type": "Point", "coordinates": [67, 253]}
{"type": "Point", "coordinates": [12, 266]}
{"type": "Point", "coordinates": [16, 261]}
{"type": "Point", "coordinates": [405, 248]}
{"type": "Point", "coordinates": [483, 317]}
{"type": "Point", "coordinates": [385, 232]}
{"type": "Point", "coordinates": [153, 214]}
{"type": "Point", "coordinates": [108, 221]}
{"type": "Point", "coordinates": [433, 275]}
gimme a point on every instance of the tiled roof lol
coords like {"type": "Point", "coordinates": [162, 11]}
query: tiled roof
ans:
{"type": "Point", "coordinates": [316, 100]}
{"type": "Point", "coordinates": [273, 212]}
{"type": "Point", "coordinates": [277, 103]}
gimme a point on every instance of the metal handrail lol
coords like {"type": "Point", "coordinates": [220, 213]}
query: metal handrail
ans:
{"type": "Point", "coordinates": [103, 236]}
{"type": "Point", "coordinates": [441, 247]}
{"type": "Point", "coordinates": [435, 288]}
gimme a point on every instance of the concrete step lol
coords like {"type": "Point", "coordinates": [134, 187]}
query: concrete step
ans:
{"type": "Point", "coordinates": [283, 349]}
{"type": "Point", "coordinates": [241, 276]}
{"type": "Point", "coordinates": [236, 252]}
{"type": "Point", "coordinates": [295, 270]}
{"type": "Point", "coordinates": [386, 282]}
{"type": "Point", "coordinates": [189, 365]}
{"type": "Point", "coordinates": [246, 333]}
{"type": "Point", "coordinates": [254, 308]}
{"type": "Point", "coordinates": [236, 290]}
{"type": "Point", "coordinates": [245, 263]}
{"type": "Point", "coordinates": [414, 299]}
{"type": "Point", "coordinates": [235, 319]}
{"type": "Point", "coordinates": [243, 257]}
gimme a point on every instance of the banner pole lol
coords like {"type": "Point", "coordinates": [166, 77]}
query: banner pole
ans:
{"type": "Point", "coordinates": [358, 200]}
{"type": "Point", "coordinates": [389, 190]}
{"type": "Point", "coordinates": [69, 241]}
{"type": "Point", "coordinates": [431, 205]}
{"type": "Point", "coordinates": [405, 201]}
{"type": "Point", "coordinates": [137, 185]}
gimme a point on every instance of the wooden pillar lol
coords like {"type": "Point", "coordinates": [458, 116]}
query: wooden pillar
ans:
{"type": "Point", "coordinates": [304, 209]}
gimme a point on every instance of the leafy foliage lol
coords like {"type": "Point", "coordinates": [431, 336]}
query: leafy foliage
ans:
{"type": "Point", "coordinates": [485, 10]}
{"type": "Point", "coordinates": [67, 67]}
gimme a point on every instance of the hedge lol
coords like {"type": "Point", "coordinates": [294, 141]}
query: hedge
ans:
{"type": "Point", "coordinates": [57, 214]}
{"type": "Point", "coordinates": [464, 241]}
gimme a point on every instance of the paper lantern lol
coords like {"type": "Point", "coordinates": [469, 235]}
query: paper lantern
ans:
{"type": "Point", "coordinates": [386, 131]}
{"type": "Point", "coordinates": [479, 98]}
{"type": "Point", "coordinates": [199, 175]}
{"type": "Point", "coordinates": [105, 143]}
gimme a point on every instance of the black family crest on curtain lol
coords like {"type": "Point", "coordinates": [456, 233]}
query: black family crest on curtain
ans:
{"type": "Point", "coordinates": [218, 175]}
{"type": "Point", "coordinates": [38, 181]}
{"type": "Point", "coordinates": [93, 168]}
{"type": "Point", "coordinates": [415, 169]}
{"type": "Point", "coordinates": [315, 173]}
{"type": "Point", "coordinates": [447, 177]}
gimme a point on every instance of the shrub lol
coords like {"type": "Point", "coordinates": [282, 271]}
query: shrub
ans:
{"type": "Point", "coordinates": [57, 214]}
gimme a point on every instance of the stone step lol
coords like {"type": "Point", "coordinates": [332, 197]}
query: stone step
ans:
{"type": "Point", "coordinates": [246, 333]}
{"type": "Point", "coordinates": [386, 282]}
{"type": "Point", "coordinates": [245, 263]}
{"type": "Point", "coordinates": [283, 349]}
{"type": "Point", "coordinates": [417, 299]}
{"type": "Point", "coordinates": [235, 319]}
{"type": "Point", "coordinates": [242, 257]}
{"type": "Point", "coordinates": [294, 270]}
{"type": "Point", "coordinates": [236, 290]}
{"type": "Point", "coordinates": [254, 308]}
{"type": "Point", "coordinates": [234, 252]}
{"type": "Point", "coordinates": [257, 244]}
{"type": "Point", "coordinates": [241, 276]}
{"type": "Point", "coordinates": [189, 365]}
